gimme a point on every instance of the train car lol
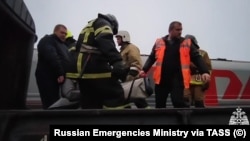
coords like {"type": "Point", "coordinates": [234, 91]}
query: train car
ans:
{"type": "Point", "coordinates": [230, 84]}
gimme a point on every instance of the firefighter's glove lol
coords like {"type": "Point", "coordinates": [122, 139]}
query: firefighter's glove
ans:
{"type": "Point", "coordinates": [132, 75]}
{"type": "Point", "coordinates": [119, 71]}
{"type": "Point", "coordinates": [133, 72]}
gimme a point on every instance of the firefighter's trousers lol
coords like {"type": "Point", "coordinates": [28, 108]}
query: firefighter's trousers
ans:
{"type": "Point", "coordinates": [100, 93]}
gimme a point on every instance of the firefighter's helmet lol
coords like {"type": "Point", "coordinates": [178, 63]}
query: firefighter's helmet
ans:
{"type": "Point", "coordinates": [113, 21]}
{"type": "Point", "coordinates": [124, 35]}
{"type": "Point", "coordinates": [69, 34]}
{"type": "Point", "coordinates": [192, 37]}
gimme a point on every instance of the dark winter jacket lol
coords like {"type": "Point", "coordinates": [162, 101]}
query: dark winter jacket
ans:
{"type": "Point", "coordinates": [53, 57]}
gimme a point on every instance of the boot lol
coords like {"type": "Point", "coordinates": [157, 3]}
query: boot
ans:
{"type": "Point", "coordinates": [186, 101]}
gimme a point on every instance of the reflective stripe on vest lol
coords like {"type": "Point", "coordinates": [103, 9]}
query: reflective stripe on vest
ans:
{"type": "Point", "coordinates": [185, 62]}
{"type": "Point", "coordinates": [160, 47]}
{"type": "Point", "coordinates": [159, 53]}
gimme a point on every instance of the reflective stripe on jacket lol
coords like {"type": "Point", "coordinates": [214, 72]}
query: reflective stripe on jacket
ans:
{"type": "Point", "coordinates": [76, 75]}
{"type": "Point", "coordinates": [98, 50]}
{"type": "Point", "coordinates": [196, 80]}
{"type": "Point", "coordinates": [184, 58]}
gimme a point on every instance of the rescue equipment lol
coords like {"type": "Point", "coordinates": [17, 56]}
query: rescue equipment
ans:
{"type": "Point", "coordinates": [137, 88]}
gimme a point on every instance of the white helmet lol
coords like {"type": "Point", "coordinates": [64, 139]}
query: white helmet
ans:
{"type": "Point", "coordinates": [124, 34]}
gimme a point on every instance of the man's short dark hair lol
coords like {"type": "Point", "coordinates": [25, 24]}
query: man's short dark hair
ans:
{"type": "Point", "coordinates": [58, 26]}
{"type": "Point", "coordinates": [172, 25]}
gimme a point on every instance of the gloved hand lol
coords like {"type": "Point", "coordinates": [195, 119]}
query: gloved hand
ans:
{"type": "Point", "coordinates": [133, 72]}
{"type": "Point", "coordinates": [119, 71]}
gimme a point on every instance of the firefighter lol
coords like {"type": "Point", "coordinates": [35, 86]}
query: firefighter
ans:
{"type": "Point", "coordinates": [132, 60]}
{"type": "Point", "coordinates": [70, 41]}
{"type": "Point", "coordinates": [197, 86]}
{"type": "Point", "coordinates": [101, 67]}
{"type": "Point", "coordinates": [171, 55]}
{"type": "Point", "coordinates": [70, 88]}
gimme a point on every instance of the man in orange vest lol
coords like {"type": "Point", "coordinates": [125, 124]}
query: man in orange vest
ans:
{"type": "Point", "coordinates": [198, 87]}
{"type": "Point", "coordinates": [172, 55]}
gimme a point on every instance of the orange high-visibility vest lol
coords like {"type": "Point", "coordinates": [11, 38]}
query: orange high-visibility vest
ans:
{"type": "Point", "coordinates": [184, 58]}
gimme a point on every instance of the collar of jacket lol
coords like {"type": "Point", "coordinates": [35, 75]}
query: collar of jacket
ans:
{"type": "Point", "coordinates": [124, 45]}
{"type": "Point", "coordinates": [181, 39]}
{"type": "Point", "coordinates": [58, 39]}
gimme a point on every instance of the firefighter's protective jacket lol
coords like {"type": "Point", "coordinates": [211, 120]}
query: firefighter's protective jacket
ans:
{"type": "Point", "coordinates": [131, 56]}
{"type": "Point", "coordinates": [72, 71]}
{"type": "Point", "coordinates": [196, 75]}
{"type": "Point", "coordinates": [98, 50]}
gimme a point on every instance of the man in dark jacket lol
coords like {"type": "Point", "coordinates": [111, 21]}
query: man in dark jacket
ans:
{"type": "Point", "coordinates": [172, 56]}
{"type": "Point", "coordinates": [51, 66]}
{"type": "Point", "coordinates": [70, 93]}
{"type": "Point", "coordinates": [101, 65]}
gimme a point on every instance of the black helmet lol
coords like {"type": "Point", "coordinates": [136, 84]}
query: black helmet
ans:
{"type": "Point", "coordinates": [193, 39]}
{"type": "Point", "coordinates": [112, 19]}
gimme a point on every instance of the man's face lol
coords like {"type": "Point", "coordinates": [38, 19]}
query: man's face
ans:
{"type": "Point", "coordinates": [176, 31]}
{"type": "Point", "coordinates": [119, 40]}
{"type": "Point", "coordinates": [61, 33]}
